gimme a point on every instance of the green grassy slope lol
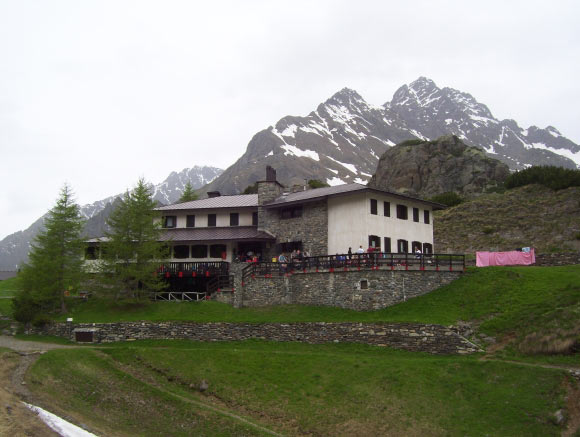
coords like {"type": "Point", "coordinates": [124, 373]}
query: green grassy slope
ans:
{"type": "Point", "coordinates": [295, 389]}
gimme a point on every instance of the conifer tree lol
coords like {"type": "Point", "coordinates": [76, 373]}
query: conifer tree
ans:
{"type": "Point", "coordinates": [132, 251]}
{"type": "Point", "coordinates": [188, 193]}
{"type": "Point", "coordinates": [55, 261]}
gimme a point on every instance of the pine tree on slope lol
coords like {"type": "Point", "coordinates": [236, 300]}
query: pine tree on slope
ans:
{"type": "Point", "coordinates": [132, 252]}
{"type": "Point", "coordinates": [188, 194]}
{"type": "Point", "coordinates": [55, 261]}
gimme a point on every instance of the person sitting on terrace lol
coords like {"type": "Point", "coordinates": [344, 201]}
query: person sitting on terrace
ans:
{"type": "Point", "coordinates": [283, 260]}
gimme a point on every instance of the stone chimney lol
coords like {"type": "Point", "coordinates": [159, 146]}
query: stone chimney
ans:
{"type": "Point", "coordinates": [270, 188]}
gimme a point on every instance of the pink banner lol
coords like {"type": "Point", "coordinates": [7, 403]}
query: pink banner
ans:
{"type": "Point", "coordinates": [512, 258]}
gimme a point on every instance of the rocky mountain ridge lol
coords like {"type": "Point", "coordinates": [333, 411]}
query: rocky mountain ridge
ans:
{"type": "Point", "coordinates": [341, 141]}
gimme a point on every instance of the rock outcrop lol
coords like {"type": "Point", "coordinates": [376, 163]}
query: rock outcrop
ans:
{"type": "Point", "coordinates": [427, 168]}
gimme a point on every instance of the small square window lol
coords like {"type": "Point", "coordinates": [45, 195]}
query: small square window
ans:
{"type": "Point", "coordinates": [169, 221]}
{"type": "Point", "coordinates": [190, 221]}
{"type": "Point", "coordinates": [402, 212]}
{"type": "Point", "coordinates": [211, 219]}
{"type": "Point", "coordinates": [234, 219]}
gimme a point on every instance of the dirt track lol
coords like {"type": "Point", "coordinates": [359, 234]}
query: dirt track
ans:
{"type": "Point", "coordinates": [15, 419]}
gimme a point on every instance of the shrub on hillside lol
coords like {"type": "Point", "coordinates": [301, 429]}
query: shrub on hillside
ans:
{"type": "Point", "coordinates": [556, 178]}
{"type": "Point", "coordinates": [450, 198]}
{"type": "Point", "coordinates": [315, 183]}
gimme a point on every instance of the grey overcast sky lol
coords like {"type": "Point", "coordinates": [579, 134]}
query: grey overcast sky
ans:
{"type": "Point", "coordinates": [100, 93]}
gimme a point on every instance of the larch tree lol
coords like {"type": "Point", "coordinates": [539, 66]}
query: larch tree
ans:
{"type": "Point", "coordinates": [132, 251]}
{"type": "Point", "coordinates": [55, 263]}
{"type": "Point", "coordinates": [188, 194]}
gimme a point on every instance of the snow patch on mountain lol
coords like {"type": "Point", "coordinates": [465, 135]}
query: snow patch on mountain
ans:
{"type": "Point", "coordinates": [349, 167]}
{"type": "Point", "coordinates": [334, 181]}
{"type": "Point", "coordinates": [295, 151]}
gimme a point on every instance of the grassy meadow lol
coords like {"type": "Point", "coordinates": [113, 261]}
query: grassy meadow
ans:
{"type": "Point", "coordinates": [150, 388]}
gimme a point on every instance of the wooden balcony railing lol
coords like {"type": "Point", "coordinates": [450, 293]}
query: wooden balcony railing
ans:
{"type": "Point", "coordinates": [367, 261]}
{"type": "Point", "coordinates": [180, 269]}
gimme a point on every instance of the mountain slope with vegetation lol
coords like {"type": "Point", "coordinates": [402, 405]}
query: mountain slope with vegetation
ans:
{"type": "Point", "coordinates": [528, 216]}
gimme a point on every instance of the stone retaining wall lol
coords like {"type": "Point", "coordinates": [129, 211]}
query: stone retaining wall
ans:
{"type": "Point", "coordinates": [557, 259]}
{"type": "Point", "coordinates": [435, 339]}
{"type": "Point", "coordinates": [363, 290]}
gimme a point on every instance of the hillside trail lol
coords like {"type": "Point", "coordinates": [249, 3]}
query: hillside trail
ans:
{"type": "Point", "coordinates": [16, 420]}
{"type": "Point", "coordinates": [19, 421]}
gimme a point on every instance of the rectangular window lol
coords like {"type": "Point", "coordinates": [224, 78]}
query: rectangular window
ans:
{"type": "Point", "coordinates": [402, 212]}
{"type": "Point", "coordinates": [254, 219]}
{"type": "Point", "coordinates": [402, 246]}
{"type": "Point", "coordinates": [375, 242]}
{"type": "Point", "coordinates": [416, 245]}
{"type": "Point", "coordinates": [217, 251]}
{"type": "Point", "coordinates": [190, 221]}
{"type": "Point", "coordinates": [416, 215]}
{"type": "Point", "coordinates": [427, 248]}
{"type": "Point", "coordinates": [169, 221]}
{"type": "Point", "coordinates": [387, 245]}
{"type": "Point", "coordinates": [234, 219]}
{"type": "Point", "coordinates": [199, 251]}
{"type": "Point", "coordinates": [426, 217]}
{"type": "Point", "coordinates": [293, 212]}
{"type": "Point", "coordinates": [211, 219]}
{"type": "Point", "coordinates": [181, 251]}
{"type": "Point", "coordinates": [374, 206]}
{"type": "Point", "coordinates": [387, 209]}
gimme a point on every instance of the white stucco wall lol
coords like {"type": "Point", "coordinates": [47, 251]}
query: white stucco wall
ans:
{"type": "Point", "coordinates": [350, 222]}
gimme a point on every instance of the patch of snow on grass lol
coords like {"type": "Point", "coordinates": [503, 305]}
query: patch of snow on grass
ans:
{"type": "Point", "coordinates": [334, 171]}
{"type": "Point", "coordinates": [295, 151]}
{"type": "Point", "coordinates": [448, 121]}
{"type": "Point", "coordinates": [360, 181]}
{"type": "Point", "coordinates": [58, 425]}
{"type": "Point", "coordinates": [269, 154]}
{"type": "Point", "coordinates": [365, 174]}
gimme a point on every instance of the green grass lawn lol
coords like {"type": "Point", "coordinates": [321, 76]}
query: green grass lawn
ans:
{"type": "Point", "coordinates": [8, 287]}
{"type": "Point", "coordinates": [7, 291]}
{"type": "Point", "coordinates": [295, 389]}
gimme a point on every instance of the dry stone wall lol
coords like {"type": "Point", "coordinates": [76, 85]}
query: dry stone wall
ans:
{"type": "Point", "coordinates": [357, 290]}
{"type": "Point", "coordinates": [435, 339]}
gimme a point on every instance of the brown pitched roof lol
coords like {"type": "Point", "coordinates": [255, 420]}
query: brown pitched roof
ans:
{"type": "Point", "coordinates": [320, 193]}
{"type": "Point", "coordinates": [238, 201]}
{"type": "Point", "coordinates": [208, 234]}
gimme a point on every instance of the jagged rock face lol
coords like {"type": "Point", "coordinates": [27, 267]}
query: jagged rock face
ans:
{"type": "Point", "coordinates": [431, 112]}
{"type": "Point", "coordinates": [434, 167]}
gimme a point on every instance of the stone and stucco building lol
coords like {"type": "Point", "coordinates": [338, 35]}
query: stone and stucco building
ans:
{"type": "Point", "coordinates": [320, 221]}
